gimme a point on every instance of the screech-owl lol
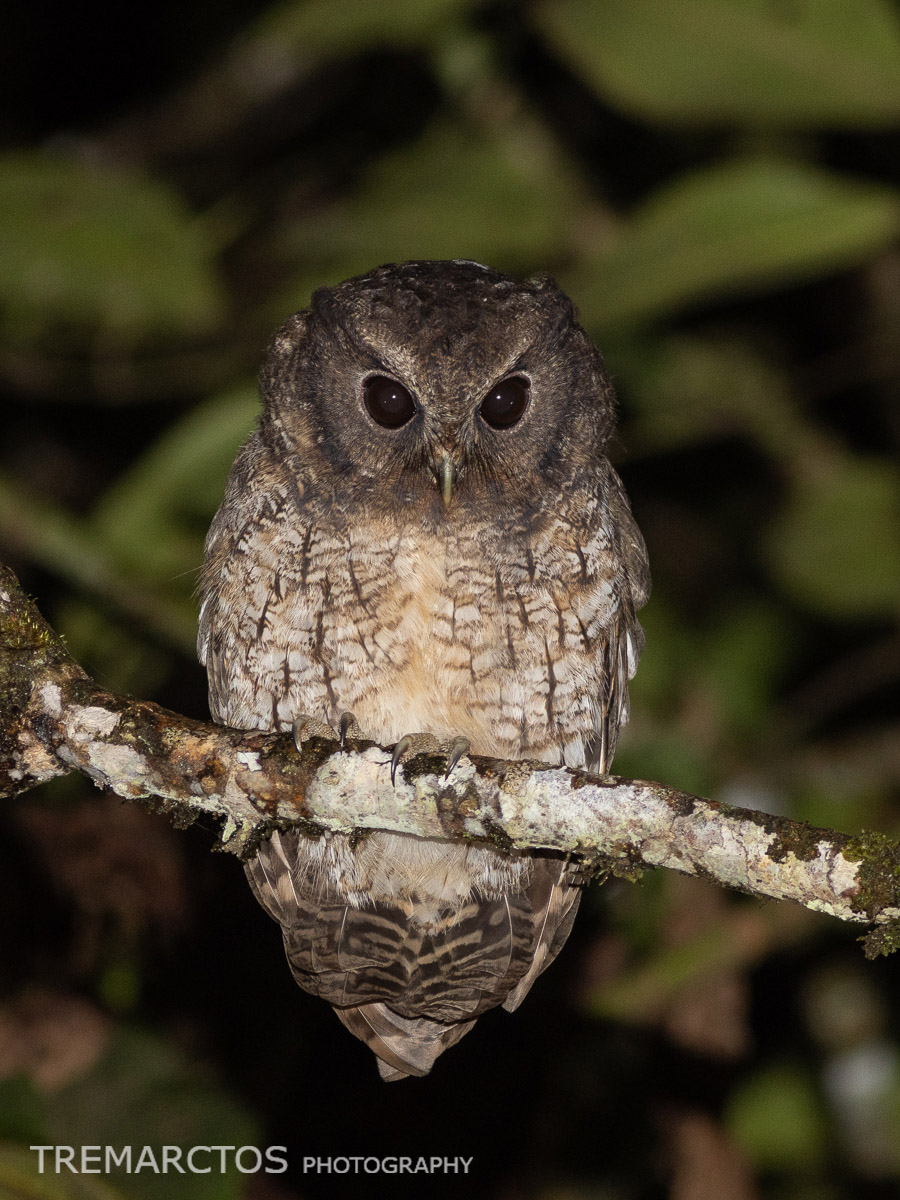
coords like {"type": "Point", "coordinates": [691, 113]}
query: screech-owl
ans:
{"type": "Point", "coordinates": [425, 531]}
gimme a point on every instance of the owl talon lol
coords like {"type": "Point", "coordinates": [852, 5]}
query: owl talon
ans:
{"type": "Point", "coordinates": [426, 743]}
{"type": "Point", "coordinates": [348, 727]}
{"type": "Point", "coordinates": [458, 748]}
{"type": "Point", "coordinates": [399, 750]}
{"type": "Point", "coordinates": [304, 727]}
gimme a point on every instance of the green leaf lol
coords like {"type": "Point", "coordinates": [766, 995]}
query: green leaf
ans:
{"type": "Point", "coordinates": [642, 992]}
{"type": "Point", "coordinates": [319, 27]}
{"type": "Point", "coordinates": [727, 669]}
{"type": "Point", "coordinates": [775, 1117]}
{"type": "Point", "coordinates": [753, 62]}
{"type": "Point", "coordinates": [835, 546]}
{"type": "Point", "coordinates": [656, 743]}
{"type": "Point", "coordinates": [733, 228]}
{"type": "Point", "coordinates": [154, 518]}
{"type": "Point", "coordinates": [142, 1093]}
{"type": "Point", "coordinates": [652, 751]}
{"type": "Point", "coordinates": [686, 389]}
{"type": "Point", "coordinates": [117, 649]}
{"type": "Point", "coordinates": [743, 657]}
{"type": "Point", "coordinates": [22, 1116]}
{"type": "Point", "coordinates": [499, 197]}
{"type": "Point", "coordinates": [69, 546]}
{"type": "Point", "coordinates": [21, 1179]}
{"type": "Point", "coordinates": [142, 547]}
{"type": "Point", "coordinates": [91, 246]}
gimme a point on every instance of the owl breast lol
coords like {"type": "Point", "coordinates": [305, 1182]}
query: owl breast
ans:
{"type": "Point", "coordinates": [415, 633]}
{"type": "Point", "coordinates": [419, 633]}
{"type": "Point", "coordinates": [435, 654]}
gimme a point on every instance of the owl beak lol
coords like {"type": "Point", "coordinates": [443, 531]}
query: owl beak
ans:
{"type": "Point", "coordinates": [445, 478]}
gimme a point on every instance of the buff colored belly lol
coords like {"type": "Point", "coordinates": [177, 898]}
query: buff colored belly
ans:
{"type": "Point", "coordinates": [440, 668]}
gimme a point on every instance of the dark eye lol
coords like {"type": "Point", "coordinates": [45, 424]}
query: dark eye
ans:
{"type": "Point", "coordinates": [505, 403]}
{"type": "Point", "coordinates": [388, 402]}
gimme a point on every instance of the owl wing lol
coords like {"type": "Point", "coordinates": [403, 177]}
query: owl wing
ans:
{"type": "Point", "coordinates": [260, 604]}
{"type": "Point", "coordinates": [621, 641]}
{"type": "Point", "coordinates": [556, 904]}
{"type": "Point", "coordinates": [618, 647]}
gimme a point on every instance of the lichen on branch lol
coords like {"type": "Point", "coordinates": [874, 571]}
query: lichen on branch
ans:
{"type": "Point", "coordinates": [54, 720]}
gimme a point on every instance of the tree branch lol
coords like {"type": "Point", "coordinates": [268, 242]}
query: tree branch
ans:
{"type": "Point", "coordinates": [56, 720]}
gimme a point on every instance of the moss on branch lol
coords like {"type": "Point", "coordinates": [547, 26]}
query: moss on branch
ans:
{"type": "Point", "coordinates": [54, 719]}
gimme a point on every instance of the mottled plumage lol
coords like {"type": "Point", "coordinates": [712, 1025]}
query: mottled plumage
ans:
{"type": "Point", "coordinates": [451, 574]}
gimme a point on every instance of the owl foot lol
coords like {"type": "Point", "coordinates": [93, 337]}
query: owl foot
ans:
{"type": "Point", "coordinates": [426, 743]}
{"type": "Point", "coordinates": [304, 727]}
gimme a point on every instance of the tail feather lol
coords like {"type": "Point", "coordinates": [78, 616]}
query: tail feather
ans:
{"type": "Point", "coordinates": [410, 981]}
{"type": "Point", "coordinates": [403, 1046]}
{"type": "Point", "coordinates": [559, 915]}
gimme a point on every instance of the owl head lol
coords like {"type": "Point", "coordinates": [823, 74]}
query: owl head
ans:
{"type": "Point", "coordinates": [439, 388]}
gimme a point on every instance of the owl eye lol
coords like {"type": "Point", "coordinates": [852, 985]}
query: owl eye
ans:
{"type": "Point", "coordinates": [505, 403]}
{"type": "Point", "coordinates": [388, 402]}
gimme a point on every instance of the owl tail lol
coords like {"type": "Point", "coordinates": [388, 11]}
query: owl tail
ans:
{"type": "Point", "coordinates": [411, 988]}
{"type": "Point", "coordinates": [403, 1046]}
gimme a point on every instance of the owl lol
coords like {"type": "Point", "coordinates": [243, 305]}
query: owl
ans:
{"type": "Point", "coordinates": [424, 532]}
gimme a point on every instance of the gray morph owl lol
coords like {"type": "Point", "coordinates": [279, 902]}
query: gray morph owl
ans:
{"type": "Point", "coordinates": [425, 532]}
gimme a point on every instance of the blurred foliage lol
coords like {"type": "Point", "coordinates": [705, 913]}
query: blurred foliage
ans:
{"type": "Point", "coordinates": [730, 227]}
{"type": "Point", "coordinates": [821, 63]}
{"type": "Point", "coordinates": [99, 249]}
{"type": "Point", "coordinates": [833, 500]}
{"type": "Point", "coordinates": [136, 1092]}
{"type": "Point", "coordinates": [716, 183]}
{"type": "Point", "coordinates": [777, 1117]}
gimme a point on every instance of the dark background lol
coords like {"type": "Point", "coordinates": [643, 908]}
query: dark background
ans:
{"type": "Point", "coordinates": [717, 184]}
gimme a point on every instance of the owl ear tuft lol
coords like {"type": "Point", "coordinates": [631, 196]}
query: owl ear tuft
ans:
{"type": "Point", "coordinates": [543, 282]}
{"type": "Point", "coordinates": [289, 335]}
{"type": "Point", "coordinates": [277, 364]}
{"type": "Point", "coordinates": [567, 314]}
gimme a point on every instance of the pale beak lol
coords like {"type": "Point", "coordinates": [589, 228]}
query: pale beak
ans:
{"type": "Point", "coordinates": [445, 476]}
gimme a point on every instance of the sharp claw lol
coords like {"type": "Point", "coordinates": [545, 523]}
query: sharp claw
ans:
{"type": "Point", "coordinates": [305, 726]}
{"type": "Point", "coordinates": [346, 723]}
{"type": "Point", "coordinates": [399, 750]}
{"type": "Point", "coordinates": [457, 750]}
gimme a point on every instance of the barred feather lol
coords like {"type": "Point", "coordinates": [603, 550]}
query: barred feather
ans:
{"type": "Point", "coordinates": [416, 988]}
{"type": "Point", "coordinates": [335, 579]}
